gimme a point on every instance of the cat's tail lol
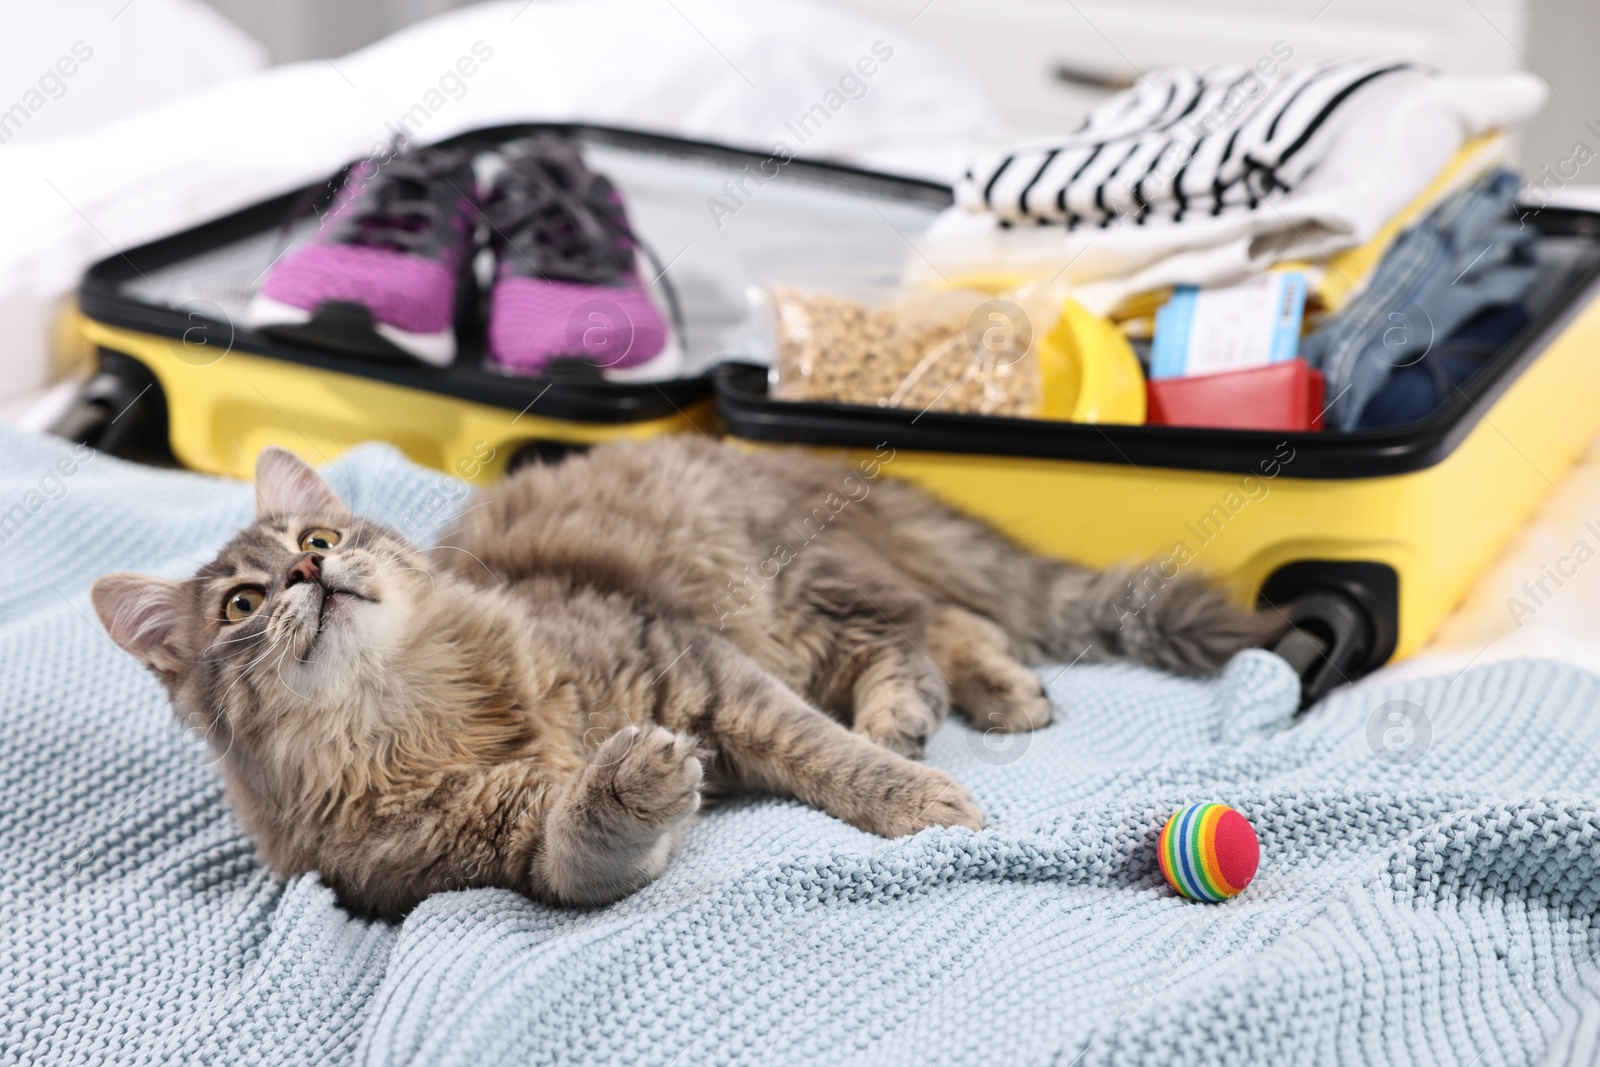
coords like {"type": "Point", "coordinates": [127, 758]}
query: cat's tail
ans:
{"type": "Point", "coordinates": [1160, 617]}
{"type": "Point", "coordinates": [1162, 614]}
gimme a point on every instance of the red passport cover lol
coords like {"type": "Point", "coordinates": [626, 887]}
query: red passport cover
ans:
{"type": "Point", "coordinates": [1280, 396]}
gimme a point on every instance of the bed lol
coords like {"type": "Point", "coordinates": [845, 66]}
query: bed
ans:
{"type": "Point", "coordinates": [1430, 838]}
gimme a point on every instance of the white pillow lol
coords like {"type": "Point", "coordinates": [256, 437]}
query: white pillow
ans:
{"type": "Point", "coordinates": [67, 68]}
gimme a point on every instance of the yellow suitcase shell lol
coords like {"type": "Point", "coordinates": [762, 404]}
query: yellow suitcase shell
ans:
{"type": "Point", "coordinates": [221, 412]}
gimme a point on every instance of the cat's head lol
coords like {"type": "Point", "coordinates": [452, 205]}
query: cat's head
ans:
{"type": "Point", "coordinates": [308, 610]}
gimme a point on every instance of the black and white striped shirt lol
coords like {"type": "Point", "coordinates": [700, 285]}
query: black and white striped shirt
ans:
{"type": "Point", "coordinates": [1180, 143]}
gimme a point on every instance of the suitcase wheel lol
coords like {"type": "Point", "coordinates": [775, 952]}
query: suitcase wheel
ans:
{"type": "Point", "coordinates": [1343, 616]}
{"type": "Point", "coordinates": [542, 450]}
{"type": "Point", "coordinates": [121, 411]}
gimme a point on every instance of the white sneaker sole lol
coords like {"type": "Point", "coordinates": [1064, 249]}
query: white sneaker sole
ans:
{"type": "Point", "coordinates": [434, 349]}
{"type": "Point", "coordinates": [665, 364]}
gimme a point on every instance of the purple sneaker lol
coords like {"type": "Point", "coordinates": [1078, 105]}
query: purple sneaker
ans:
{"type": "Point", "coordinates": [567, 277]}
{"type": "Point", "coordinates": [381, 277]}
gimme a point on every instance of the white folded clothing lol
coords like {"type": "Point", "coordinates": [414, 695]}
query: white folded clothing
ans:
{"type": "Point", "coordinates": [1147, 195]}
{"type": "Point", "coordinates": [1181, 142]}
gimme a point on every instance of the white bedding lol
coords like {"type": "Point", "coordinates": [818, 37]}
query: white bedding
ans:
{"type": "Point", "coordinates": [72, 68]}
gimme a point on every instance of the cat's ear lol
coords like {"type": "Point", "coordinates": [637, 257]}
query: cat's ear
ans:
{"type": "Point", "coordinates": [286, 486]}
{"type": "Point", "coordinates": [148, 617]}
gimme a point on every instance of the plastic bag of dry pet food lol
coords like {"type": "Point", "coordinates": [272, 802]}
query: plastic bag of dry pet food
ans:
{"type": "Point", "coordinates": [948, 349]}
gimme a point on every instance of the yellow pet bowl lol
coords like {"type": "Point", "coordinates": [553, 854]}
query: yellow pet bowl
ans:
{"type": "Point", "coordinates": [1089, 370]}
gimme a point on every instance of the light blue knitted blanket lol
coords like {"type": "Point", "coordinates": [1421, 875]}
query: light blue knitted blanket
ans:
{"type": "Point", "coordinates": [1427, 888]}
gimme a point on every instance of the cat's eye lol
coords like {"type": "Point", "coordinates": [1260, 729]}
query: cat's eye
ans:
{"type": "Point", "coordinates": [243, 602]}
{"type": "Point", "coordinates": [318, 540]}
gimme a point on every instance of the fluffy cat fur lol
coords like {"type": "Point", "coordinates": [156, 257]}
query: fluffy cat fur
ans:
{"type": "Point", "coordinates": [540, 701]}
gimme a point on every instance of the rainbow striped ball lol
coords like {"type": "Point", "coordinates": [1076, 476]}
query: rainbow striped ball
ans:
{"type": "Point", "coordinates": [1209, 852]}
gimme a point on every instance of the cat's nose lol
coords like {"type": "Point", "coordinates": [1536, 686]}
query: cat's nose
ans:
{"type": "Point", "coordinates": [308, 568]}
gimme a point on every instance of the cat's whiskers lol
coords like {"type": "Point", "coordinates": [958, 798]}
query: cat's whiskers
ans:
{"type": "Point", "coordinates": [238, 640]}
{"type": "Point", "coordinates": [394, 561]}
{"type": "Point", "coordinates": [266, 629]}
{"type": "Point", "coordinates": [450, 521]}
{"type": "Point", "coordinates": [244, 671]}
{"type": "Point", "coordinates": [278, 669]}
{"type": "Point", "coordinates": [458, 548]}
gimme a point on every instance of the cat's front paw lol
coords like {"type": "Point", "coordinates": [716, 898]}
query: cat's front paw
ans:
{"type": "Point", "coordinates": [654, 775]}
{"type": "Point", "coordinates": [929, 797]}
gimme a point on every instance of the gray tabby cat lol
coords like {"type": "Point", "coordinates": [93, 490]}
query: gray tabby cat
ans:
{"type": "Point", "coordinates": [539, 701]}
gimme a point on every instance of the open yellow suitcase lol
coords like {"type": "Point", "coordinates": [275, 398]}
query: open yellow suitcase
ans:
{"type": "Point", "coordinates": [1366, 540]}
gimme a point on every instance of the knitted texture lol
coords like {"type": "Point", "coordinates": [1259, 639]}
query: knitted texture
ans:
{"type": "Point", "coordinates": [1429, 855]}
{"type": "Point", "coordinates": [532, 321]}
{"type": "Point", "coordinates": [408, 292]}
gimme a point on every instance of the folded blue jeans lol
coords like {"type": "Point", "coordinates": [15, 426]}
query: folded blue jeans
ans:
{"type": "Point", "coordinates": [1466, 255]}
{"type": "Point", "coordinates": [1415, 392]}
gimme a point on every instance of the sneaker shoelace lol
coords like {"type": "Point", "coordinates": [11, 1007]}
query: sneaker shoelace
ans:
{"type": "Point", "coordinates": [565, 219]}
{"type": "Point", "coordinates": [399, 209]}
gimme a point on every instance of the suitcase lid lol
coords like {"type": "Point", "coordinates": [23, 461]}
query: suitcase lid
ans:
{"type": "Point", "coordinates": [704, 210]}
